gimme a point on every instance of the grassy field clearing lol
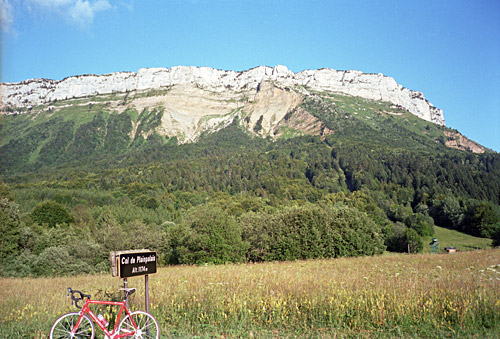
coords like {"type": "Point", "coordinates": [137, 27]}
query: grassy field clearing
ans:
{"type": "Point", "coordinates": [453, 238]}
{"type": "Point", "coordinates": [427, 295]}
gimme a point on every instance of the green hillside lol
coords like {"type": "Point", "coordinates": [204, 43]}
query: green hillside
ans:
{"type": "Point", "coordinates": [78, 131]}
{"type": "Point", "coordinates": [376, 178]}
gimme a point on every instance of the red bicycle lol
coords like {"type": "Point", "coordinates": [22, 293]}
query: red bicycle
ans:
{"type": "Point", "coordinates": [136, 324]}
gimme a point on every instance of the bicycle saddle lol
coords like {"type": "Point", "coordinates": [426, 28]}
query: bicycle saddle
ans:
{"type": "Point", "coordinates": [128, 291]}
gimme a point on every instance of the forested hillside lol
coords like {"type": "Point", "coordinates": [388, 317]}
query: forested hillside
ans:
{"type": "Point", "coordinates": [82, 180]}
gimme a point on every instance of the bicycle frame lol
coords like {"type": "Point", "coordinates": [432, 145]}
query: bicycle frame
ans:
{"type": "Point", "coordinates": [86, 310]}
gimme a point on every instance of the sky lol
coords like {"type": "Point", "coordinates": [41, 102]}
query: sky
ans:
{"type": "Point", "coordinates": [447, 49]}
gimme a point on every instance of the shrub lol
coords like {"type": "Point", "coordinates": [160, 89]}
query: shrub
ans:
{"type": "Point", "coordinates": [400, 237]}
{"type": "Point", "coordinates": [141, 235]}
{"type": "Point", "coordinates": [447, 211]}
{"type": "Point", "coordinates": [56, 261]}
{"type": "Point", "coordinates": [396, 238]}
{"type": "Point", "coordinates": [110, 233]}
{"type": "Point", "coordinates": [19, 265]}
{"type": "Point", "coordinates": [496, 235]}
{"type": "Point", "coordinates": [480, 219]}
{"type": "Point", "coordinates": [311, 231]}
{"type": "Point", "coordinates": [51, 213]}
{"type": "Point", "coordinates": [9, 228]}
{"type": "Point", "coordinates": [206, 235]}
{"type": "Point", "coordinates": [421, 223]}
{"type": "Point", "coordinates": [360, 234]}
{"type": "Point", "coordinates": [415, 244]}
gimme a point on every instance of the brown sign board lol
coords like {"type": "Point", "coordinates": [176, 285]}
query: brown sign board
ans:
{"type": "Point", "coordinates": [133, 263]}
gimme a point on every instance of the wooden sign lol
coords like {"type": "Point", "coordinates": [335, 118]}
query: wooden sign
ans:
{"type": "Point", "coordinates": [133, 263]}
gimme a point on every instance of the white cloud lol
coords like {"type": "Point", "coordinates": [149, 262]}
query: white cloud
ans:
{"type": "Point", "coordinates": [6, 16]}
{"type": "Point", "coordinates": [81, 12]}
{"type": "Point", "coordinates": [101, 5]}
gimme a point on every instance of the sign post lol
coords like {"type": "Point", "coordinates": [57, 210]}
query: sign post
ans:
{"type": "Point", "coordinates": [125, 264]}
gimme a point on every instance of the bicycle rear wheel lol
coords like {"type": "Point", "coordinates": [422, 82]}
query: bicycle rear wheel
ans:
{"type": "Point", "coordinates": [147, 326]}
{"type": "Point", "coordinates": [64, 325]}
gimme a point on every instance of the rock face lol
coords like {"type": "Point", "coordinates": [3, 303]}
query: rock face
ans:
{"type": "Point", "coordinates": [35, 92]}
{"type": "Point", "coordinates": [458, 141]}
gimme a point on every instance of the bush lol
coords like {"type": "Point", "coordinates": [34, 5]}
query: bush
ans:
{"type": "Point", "coordinates": [396, 238]}
{"type": "Point", "coordinates": [53, 261]}
{"type": "Point", "coordinates": [311, 231]}
{"type": "Point", "coordinates": [447, 212]}
{"type": "Point", "coordinates": [110, 233]}
{"type": "Point", "coordinates": [19, 266]}
{"type": "Point", "coordinates": [360, 234]}
{"type": "Point", "coordinates": [141, 236]}
{"type": "Point", "coordinates": [415, 244]}
{"type": "Point", "coordinates": [56, 261]}
{"type": "Point", "coordinates": [421, 223]}
{"type": "Point", "coordinates": [206, 235]}
{"type": "Point", "coordinates": [496, 235]}
{"type": "Point", "coordinates": [9, 228]}
{"type": "Point", "coordinates": [51, 213]}
{"type": "Point", "coordinates": [480, 219]}
{"type": "Point", "coordinates": [400, 237]}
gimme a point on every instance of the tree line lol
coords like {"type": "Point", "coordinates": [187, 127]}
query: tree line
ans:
{"type": "Point", "coordinates": [298, 199]}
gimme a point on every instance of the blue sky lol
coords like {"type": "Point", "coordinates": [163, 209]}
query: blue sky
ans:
{"type": "Point", "coordinates": [447, 49]}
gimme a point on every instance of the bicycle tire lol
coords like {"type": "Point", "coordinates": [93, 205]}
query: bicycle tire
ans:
{"type": "Point", "coordinates": [147, 326]}
{"type": "Point", "coordinates": [61, 329]}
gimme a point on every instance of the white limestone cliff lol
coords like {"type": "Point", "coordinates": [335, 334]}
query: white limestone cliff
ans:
{"type": "Point", "coordinates": [370, 86]}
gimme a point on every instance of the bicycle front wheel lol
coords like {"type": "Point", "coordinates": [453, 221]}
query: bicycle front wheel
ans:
{"type": "Point", "coordinates": [65, 324]}
{"type": "Point", "coordinates": [146, 326]}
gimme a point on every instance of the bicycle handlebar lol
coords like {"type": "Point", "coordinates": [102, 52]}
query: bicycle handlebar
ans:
{"type": "Point", "coordinates": [75, 300]}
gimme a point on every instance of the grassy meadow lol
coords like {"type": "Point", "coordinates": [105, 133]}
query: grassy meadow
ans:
{"type": "Point", "coordinates": [453, 238]}
{"type": "Point", "coordinates": [393, 295]}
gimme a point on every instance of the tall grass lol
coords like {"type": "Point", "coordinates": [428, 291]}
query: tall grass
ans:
{"type": "Point", "coordinates": [387, 296]}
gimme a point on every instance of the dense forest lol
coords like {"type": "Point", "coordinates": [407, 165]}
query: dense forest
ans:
{"type": "Point", "coordinates": [74, 190]}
